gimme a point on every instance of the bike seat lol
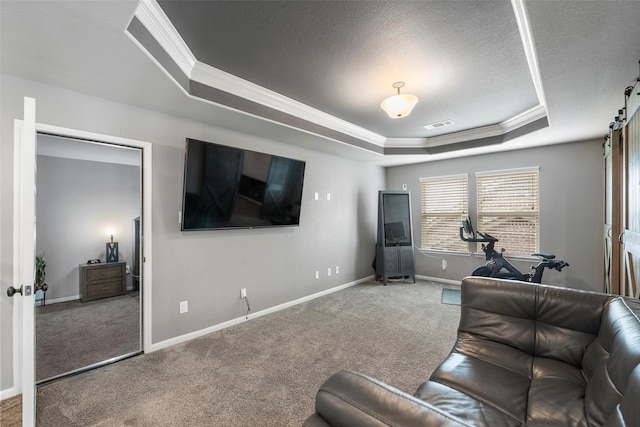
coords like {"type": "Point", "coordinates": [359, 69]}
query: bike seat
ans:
{"type": "Point", "coordinates": [545, 256]}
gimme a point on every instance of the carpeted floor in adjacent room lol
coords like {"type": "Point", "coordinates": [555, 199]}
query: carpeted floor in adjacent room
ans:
{"type": "Point", "coordinates": [265, 372]}
{"type": "Point", "coordinates": [73, 334]}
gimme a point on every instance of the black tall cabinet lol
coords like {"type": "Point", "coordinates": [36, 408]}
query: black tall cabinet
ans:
{"type": "Point", "coordinates": [394, 245]}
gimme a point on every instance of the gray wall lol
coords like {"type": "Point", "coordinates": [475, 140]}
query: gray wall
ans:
{"type": "Point", "coordinates": [76, 203]}
{"type": "Point", "coordinates": [208, 268]}
{"type": "Point", "coordinates": [571, 209]}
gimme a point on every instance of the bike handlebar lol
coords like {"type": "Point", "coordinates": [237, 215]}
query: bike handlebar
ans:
{"type": "Point", "coordinates": [484, 237]}
{"type": "Point", "coordinates": [557, 265]}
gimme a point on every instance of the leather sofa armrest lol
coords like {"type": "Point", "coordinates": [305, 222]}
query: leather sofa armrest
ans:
{"type": "Point", "coordinates": [315, 420]}
{"type": "Point", "coordinates": [350, 399]}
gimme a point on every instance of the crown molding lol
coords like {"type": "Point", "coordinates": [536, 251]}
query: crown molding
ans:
{"type": "Point", "coordinates": [522, 19]}
{"type": "Point", "coordinates": [406, 143]}
{"type": "Point", "coordinates": [160, 27]}
{"type": "Point", "coordinates": [524, 118]}
{"type": "Point", "coordinates": [218, 79]}
{"type": "Point", "coordinates": [498, 129]}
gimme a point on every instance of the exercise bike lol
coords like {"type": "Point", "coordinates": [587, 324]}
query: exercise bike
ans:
{"type": "Point", "coordinates": [499, 267]}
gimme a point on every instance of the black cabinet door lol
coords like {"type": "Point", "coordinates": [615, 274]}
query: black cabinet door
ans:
{"type": "Point", "coordinates": [394, 245]}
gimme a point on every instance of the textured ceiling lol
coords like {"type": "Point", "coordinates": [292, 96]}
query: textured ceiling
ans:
{"type": "Point", "coordinates": [466, 60]}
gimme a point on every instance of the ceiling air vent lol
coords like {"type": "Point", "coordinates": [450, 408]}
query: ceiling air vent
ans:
{"type": "Point", "coordinates": [438, 125]}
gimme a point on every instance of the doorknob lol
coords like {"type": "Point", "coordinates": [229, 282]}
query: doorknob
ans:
{"type": "Point", "coordinates": [11, 291]}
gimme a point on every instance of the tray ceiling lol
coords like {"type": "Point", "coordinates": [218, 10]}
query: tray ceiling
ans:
{"type": "Point", "coordinates": [508, 74]}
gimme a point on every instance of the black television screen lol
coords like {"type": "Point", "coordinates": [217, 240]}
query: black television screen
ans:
{"type": "Point", "coordinates": [228, 187]}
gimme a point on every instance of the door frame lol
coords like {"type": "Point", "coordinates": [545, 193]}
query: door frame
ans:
{"type": "Point", "coordinates": [29, 163]}
{"type": "Point", "coordinates": [24, 175]}
{"type": "Point", "coordinates": [614, 152]}
{"type": "Point", "coordinates": [630, 237]}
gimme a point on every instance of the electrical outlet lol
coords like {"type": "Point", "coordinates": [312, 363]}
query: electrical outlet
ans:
{"type": "Point", "coordinates": [328, 197]}
{"type": "Point", "coordinates": [184, 307]}
{"type": "Point", "coordinates": [444, 264]}
{"type": "Point", "coordinates": [337, 269]}
{"type": "Point", "coordinates": [329, 271]}
{"type": "Point", "coordinates": [317, 274]}
{"type": "Point", "coordinates": [243, 293]}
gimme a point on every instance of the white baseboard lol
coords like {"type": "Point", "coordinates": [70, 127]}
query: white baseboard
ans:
{"type": "Point", "coordinates": [242, 319]}
{"type": "Point", "coordinates": [8, 393]}
{"type": "Point", "coordinates": [438, 279]}
{"type": "Point", "coordinates": [63, 299]}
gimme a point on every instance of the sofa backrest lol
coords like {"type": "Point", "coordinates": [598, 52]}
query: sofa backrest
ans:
{"type": "Point", "coordinates": [611, 365]}
{"type": "Point", "coordinates": [542, 321]}
{"type": "Point", "coordinates": [567, 322]}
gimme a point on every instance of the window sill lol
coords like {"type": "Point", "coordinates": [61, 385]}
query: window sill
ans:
{"type": "Point", "coordinates": [444, 252]}
{"type": "Point", "coordinates": [525, 258]}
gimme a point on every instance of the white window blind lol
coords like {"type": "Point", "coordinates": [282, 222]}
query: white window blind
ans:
{"type": "Point", "coordinates": [444, 200]}
{"type": "Point", "coordinates": [508, 209]}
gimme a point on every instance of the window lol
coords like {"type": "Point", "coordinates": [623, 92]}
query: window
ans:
{"type": "Point", "coordinates": [508, 209]}
{"type": "Point", "coordinates": [444, 200]}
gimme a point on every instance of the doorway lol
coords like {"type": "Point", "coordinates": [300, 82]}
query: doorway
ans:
{"type": "Point", "coordinates": [24, 253]}
{"type": "Point", "coordinates": [88, 313]}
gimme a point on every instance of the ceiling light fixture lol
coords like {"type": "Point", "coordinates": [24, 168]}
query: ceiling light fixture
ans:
{"type": "Point", "coordinates": [398, 106]}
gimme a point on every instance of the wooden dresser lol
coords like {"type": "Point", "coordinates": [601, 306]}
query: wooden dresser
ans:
{"type": "Point", "coordinates": [102, 280]}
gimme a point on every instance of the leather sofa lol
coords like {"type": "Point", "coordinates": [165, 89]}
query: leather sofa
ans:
{"type": "Point", "coordinates": [525, 355]}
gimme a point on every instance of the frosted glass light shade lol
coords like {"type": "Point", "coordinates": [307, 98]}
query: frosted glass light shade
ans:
{"type": "Point", "coordinates": [399, 106]}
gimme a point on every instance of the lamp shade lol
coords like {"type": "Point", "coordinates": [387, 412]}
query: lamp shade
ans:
{"type": "Point", "coordinates": [398, 106]}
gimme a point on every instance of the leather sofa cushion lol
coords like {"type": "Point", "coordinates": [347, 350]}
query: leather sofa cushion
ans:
{"type": "Point", "coordinates": [463, 406]}
{"type": "Point", "coordinates": [556, 395]}
{"type": "Point", "coordinates": [503, 386]}
{"type": "Point", "coordinates": [499, 379]}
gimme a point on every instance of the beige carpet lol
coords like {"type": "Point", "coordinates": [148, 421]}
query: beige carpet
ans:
{"type": "Point", "coordinates": [265, 372]}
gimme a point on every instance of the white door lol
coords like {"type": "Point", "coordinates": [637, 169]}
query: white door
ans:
{"type": "Point", "coordinates": [24, 229]}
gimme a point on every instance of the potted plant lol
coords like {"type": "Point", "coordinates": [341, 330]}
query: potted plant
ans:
{"type": "Point", "coordinates": [41, 274]}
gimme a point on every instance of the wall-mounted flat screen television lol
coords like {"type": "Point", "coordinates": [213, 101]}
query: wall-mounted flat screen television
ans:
{"type": "Point", "coordinates": [227, 187]}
